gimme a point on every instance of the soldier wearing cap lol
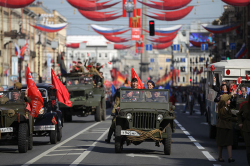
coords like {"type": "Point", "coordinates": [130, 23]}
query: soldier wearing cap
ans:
{"type": "Point", "coordinates": [18, 86]}
{"type": "Point", "coordinates": [3, 99]}
{"type": "Point", "coordinates": [78, 67]}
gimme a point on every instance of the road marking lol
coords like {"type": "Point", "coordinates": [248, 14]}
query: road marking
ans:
{"type": "Point", "coordinates": [216, 165]}
{"type": "Point", "coordinates": [182, 128]}
{"type": "Point", "coordinates": [84, 154]}
{"type": "Point", "coordinates": [68, 149]}
{"type": "Point", "coordinates": [63, 154]}
{"type": "Point", "coordinates": [179, 125]}
{"type": "Point", "coordinates": [204, 123]}
{"type": "Point", "coordinates": [208, 155]}
{"type": "Point", "coordinates": [142, 155]}
{"type": "Point", "coordinates": [179, 103]}
{"type": "Point", "coordinates": [73, 146]}
{"type": "Point", "coordinates": [58, 145]}
{"type": "Point", "coordinates": [186, 132]}
{"type": "Point", "coordinates": [176, 121]}
{"type": "Point", "coordinates": [198, 145]}
{"type": "Point", "coordinates": [191, 138]}
{"type": "Point", "coordinates": [93, 132]}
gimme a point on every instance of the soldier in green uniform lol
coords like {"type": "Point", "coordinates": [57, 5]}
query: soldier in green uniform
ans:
{"type": "Point", "coordinates": [155, 98]}
{"type": "Point", "coordinates": [134, 84]}
{"type": "Point", "coordinates": [78, 68]}
{"type": "Point", "coordinates": [18, 86]}
{"type": "Point", "coordinates": [3, 99]}
{"type": "Point", "coordinates": [244, 124]}
{"type": "Point", "coordinates": [224, 125]}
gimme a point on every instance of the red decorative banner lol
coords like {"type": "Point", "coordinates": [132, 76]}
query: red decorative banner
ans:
{"type": "Point", "coordinates": [135, 22]}
{"type": "Point", "coordinates": [135, 33]}
{"type": "Point", "coordinates": [139, 45]}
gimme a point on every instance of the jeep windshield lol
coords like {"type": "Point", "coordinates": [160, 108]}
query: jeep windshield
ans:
{"type": "Point", "coordinates": [144, 95]}
{"type": "Point", "coordinates": [11, 97]}
{"type": "Point", "coordinates": [79, 81]}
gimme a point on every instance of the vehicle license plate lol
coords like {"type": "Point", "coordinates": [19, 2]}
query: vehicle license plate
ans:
{"type": "Point", "coordinates": [6, 130]}
{"type": "Point", "coordinates": [131, 133]}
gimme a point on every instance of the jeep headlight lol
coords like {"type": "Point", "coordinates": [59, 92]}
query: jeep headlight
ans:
{"type": "Point", "coordinates": [160, 117]}
{"type": "Point", "coordinates": [129, 116]}
{"type": "Point", "coordinates": [90, 93]}
{"type": "Point", "coordinates": [41, 111]}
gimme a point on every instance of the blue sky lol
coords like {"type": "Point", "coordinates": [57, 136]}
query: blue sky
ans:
{"type": "Point", "coordinates": [206, 10]}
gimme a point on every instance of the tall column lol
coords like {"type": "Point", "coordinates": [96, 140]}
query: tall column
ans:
{"type": "Point", "coordinates": [144, 56]}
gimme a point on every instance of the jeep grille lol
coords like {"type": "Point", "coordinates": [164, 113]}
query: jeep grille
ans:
{"type": "Point", "coordinates": [78, 93]}
{"type": "Point", "coordinates": [144, 120]}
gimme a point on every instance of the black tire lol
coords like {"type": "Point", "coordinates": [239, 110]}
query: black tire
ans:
{"type": "Point", "coordinates": [59, 134]}
{"type": "Point", "coordinates": [98, 113]}
{"type": "Point", "coordinates": [103, 110]}
{"type": "Point", "coordinates": [118, 139]}
{"type": "Point", "coordinates": [30, 144]}
{"type": "Point", "coordinates": [23, 139]}
{"type": "Point", "coordinates": [212, 131]}
{"type": "Point", "coordinates": [53, 136]}
{"type": "Point", "coordinates": [167, 141]}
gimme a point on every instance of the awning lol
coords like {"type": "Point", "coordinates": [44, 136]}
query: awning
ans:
{"type": "Point", "coordinates": [167, 4]}
{"type": "Point", "coordinates": [50, 28]}
{"type": "Point", "coordinates": [164, 39]}
{"type": "Point", "coordinates": [116, 39]}
{"type": "Point", "coordinates": [173, 15]}
{"type": "Point", "coordinates": [15, 3]}
{"type": "Point", "coordinates": [162, 46]}
{"type": "Point", "coordinates": [237, 2]}
{"type": "Point", "coordinates": [90, 6]}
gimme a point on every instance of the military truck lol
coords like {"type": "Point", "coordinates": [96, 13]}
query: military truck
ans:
{"type": "Point", "coordinates": [88, 97]}
{"type": "Point", "coordinates": [144, 115]}
{"type": "Point", "coordinates": [16, 124]}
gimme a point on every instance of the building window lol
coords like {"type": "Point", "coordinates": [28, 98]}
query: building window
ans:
{"type": "Point", "coordinates": [196, 79]}
{"type": "Point", "coordinates": [178, 79]}
{"type": "Point", "coordinates": [100, 55]}
{"type": "Point", "coordinates": [83, 56]}
{"type": "Point", "coordinates": [183, 69]}
{"type": "Point", "coordinates": [168, 60]}
{"type": "Point", "coordinates": [201, 59]}
{"type": "Point", "coordinates": [191, 60]}
{"type": "Point", "coordinates": [152, 60]}
{"type": "Point", "coordinates": [106, 55]}
{"type": "Point", "coordinates": [183, 59]}
{"type": "Point", "coordinates": [183, 79]}
{"type": "Point", "coordinates": [191, 69]}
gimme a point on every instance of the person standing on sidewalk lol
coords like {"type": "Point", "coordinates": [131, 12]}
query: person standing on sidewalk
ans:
{"type": "Point", "coordinates": [224, 125]}
{"type": "Point", "coordinates": [244, 123]}
{"type": "Point", "coordinates": [201, 101]}
{"type": "Point", "coordinates": [190, 102]}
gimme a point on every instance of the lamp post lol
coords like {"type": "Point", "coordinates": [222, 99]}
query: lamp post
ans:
{"type": "Point", "coordinates": [39, 43]}
{"type": "Point", "coordinates": [19, 59]}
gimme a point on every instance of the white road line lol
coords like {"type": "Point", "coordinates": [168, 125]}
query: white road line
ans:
{"type": "Point", "coordinates": [68, 149]}
{"type": "Point", "coordinates": [191, 138]}
{"type": "Point", "coordinates": [216, 165]}
{"type": "Point", "coordinates": [58, 145]}
{"type": "Point", "coordinates": [63, 154]}
{"type": "Point", "coordinates": [93, 132]}
{"type": "Point", "coordinates": [186, 132]}
{"type": "Point", "coordinates": [142, 155]}
{"type": "Point", "coordinates": [198, 145]}
{"type": "Point", "coordinates": [179, 125]}
{"type": "Point", "coordinates": [84, 154]}
{"type": "Point", "coordinates": [205, 123]}
{"type": "Point", "coordinates": [182, 128]}
{"type": "Point", "coordinates": [176, 121]}
{"type": "Point", "coordinates": [208, 155]}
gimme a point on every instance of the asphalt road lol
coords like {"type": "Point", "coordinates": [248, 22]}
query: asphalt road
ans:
{"type": "Point", "coordinates": [83, 144]}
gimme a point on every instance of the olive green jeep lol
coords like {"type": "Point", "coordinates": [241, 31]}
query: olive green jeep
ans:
{"type": "Point", "coordinates": [144, 115]}
{"type": "Point", "coordinates": [16, 123]}
{"type": "Point", "coordinates": [86, 96]}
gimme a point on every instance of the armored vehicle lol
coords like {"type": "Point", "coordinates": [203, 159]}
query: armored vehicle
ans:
{"type": "Point", "coordinates": [144, 115]}
{"type": "Point", "coordinates": [49, 121]}
{"type": "Point", "coordinates": [87, 95]}
{"type": "Point", "coordinates": [16, 124]}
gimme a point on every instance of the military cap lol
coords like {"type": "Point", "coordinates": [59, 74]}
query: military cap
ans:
{"type": "Point", "coordinates": [18, 85]}
{"type": "Point", "coordinates": [225, 97]}
{"type": "Point", "coordinates": [134, 80]}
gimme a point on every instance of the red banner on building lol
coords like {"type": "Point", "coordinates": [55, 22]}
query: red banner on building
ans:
{"type": "Point", "coordinates": [128, 4]}
{"type": "Point", "coordinates": [135, 22]}
{"type": "Point", "coordinates": [135, 33]}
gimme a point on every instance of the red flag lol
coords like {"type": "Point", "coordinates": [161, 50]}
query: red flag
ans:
{"type": "Point", "coordinates": [23, 49]}
{"type": "Point", "coordinates": [247, 78]}
{"type": "Point", "coordinates": [109, 63]}
{"type": "Point", "coordinates": [61, 93]}
{"type": "Point", "coordinates": [212, 68]}
{"type": "Point", "coordinates": [239, 80]}
{"type": "Point", "coordinates": [34, 94]}
{"type": "Point", "coordinates": [134, 75]}
{"type": "Point", "coordinates": [54, 122]}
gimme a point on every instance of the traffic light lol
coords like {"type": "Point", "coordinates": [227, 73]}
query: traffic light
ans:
{"type": "Point", "coordinates": [228, 58]}
{"type": "Point", "coordinates": [151, 28]}
{"type": "Point", "coordinates": [190, 80]}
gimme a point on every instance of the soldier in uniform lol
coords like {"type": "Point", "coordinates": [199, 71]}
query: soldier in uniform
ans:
{"type": "Point", "coordinates": [155, 98]}
{"type": "Point", "coordinates": [18, 86]}
{"type": "Point", "coordinates": [134, 84]}
{"type": "Point", "coordinates": [78, 68]}
{"type": "Point", "coordinates": [224, 135]}
{"type": "Point", "coordinates": [3, 99]}
{"type": "Point", "coordinates": [244, 124]}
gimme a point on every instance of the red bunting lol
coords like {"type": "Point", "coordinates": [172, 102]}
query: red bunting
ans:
{"type": "Point", "coordinates": [239, 80]}
{"type": "Point", "coordinates": [116, 39]}
{"type": "Point", "coordinates": [99, 16]}
{"type": "Point", "coordinates": [247, 78]}
{"type": "Point", "coordinates": [162, 46]}
{"type": "Point", "coordinates": [15, 3]}
{"type": "Point", "coordinates": [164, 39]}
{"type": "Point", "coordinates": [167, 4]}
{"type": "Point", "coordinates": [212, 68]}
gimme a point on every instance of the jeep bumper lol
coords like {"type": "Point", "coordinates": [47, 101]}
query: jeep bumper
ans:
{"type": "Point", "coordinates": [44, 128]}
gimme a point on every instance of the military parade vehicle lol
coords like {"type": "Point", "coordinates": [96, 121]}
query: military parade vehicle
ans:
{"type": "Point", "coordinates": [16, 123]}
{"type": "Point", "coordinates": [49, 121]}
{"type": "Point", "coordinates": [225, 70]}
{"type": "Point", "coordinates": [144, 115]}
{"type": "Point", "coordinates": [86, 94]}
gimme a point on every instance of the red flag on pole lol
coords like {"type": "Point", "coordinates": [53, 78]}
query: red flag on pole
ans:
{"type": "Point", "coordinates": [134, 75]}
{"type": "Point", "coordinates": [61, 91]}
{"type": "Point", "coordinates": [34, 94]}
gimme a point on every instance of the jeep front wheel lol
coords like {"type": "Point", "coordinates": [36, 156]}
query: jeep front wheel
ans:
{"type": "Point", "coordinates": [167, 141]}
{"type": "Point", "coordinates": [23, 140]}
{"type": "Point", "coordinates": [53, 136]}
{"type": "Point", "coordinates": [118, 139]}
{"type": "Point", "coordinates": [98, 114]}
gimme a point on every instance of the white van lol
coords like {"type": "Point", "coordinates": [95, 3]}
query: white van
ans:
{"type": "Point", "coordinates": [228, 70]}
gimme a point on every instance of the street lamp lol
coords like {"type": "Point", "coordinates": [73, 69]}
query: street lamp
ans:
{"type": "Point", "coordinates": [19, 59]}
{"type": "Point", "coordinates": [39, 43]}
